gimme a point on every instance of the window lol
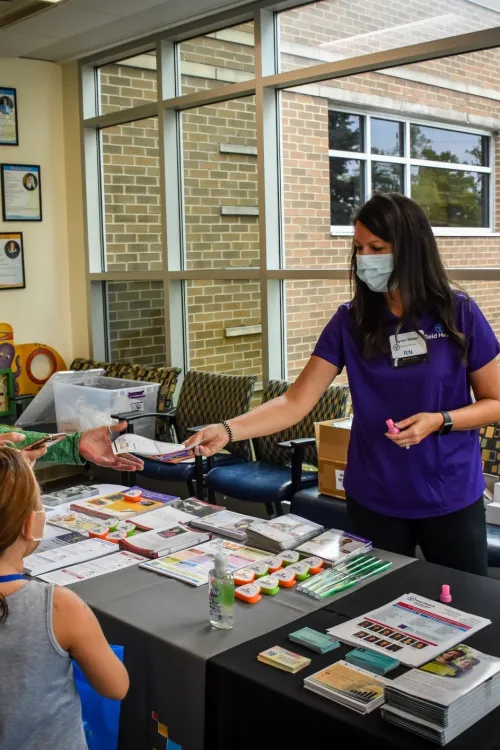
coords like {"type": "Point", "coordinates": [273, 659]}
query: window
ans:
{"type": "Point", "coordinates": [447, 172]}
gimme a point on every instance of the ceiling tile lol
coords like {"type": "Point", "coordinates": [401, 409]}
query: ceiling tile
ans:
{"type": "Point", "coordinates": [118, 8]}
{"type": "Point", "coordinates": [63, 22]}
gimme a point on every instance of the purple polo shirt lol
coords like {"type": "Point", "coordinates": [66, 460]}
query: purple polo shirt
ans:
{"type": "Point", "coordinates": [440, 475]}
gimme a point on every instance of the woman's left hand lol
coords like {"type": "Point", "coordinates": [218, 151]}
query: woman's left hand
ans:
{"type": "Point", "coordinates": [95, 446]}
{"type": "Point", "coordinates": [416, 428]}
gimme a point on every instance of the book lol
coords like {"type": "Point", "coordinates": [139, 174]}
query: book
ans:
{"type": "Point", "coordinates": [84, 571]}
{"type": "Point", "coordinates": [322, 643]}
{"type": "Point", "coordinates": [79, 492]}
{"type": "Point", "coordinates": [143, 446]}
{"type": "Point", "coordinates": [226, 523]}
{"type": "Point", "coordinates": [182, 511]}
{"type": "Point", "coordinates": [194, 564]}
{"type": "Point", "coordinates": [59, 539]}
{"type": "Point", "coordinates": [281, 533]}
{"type": "Point", "coordinates": [411, 628]}
{"type": "Point", "coordinates": [445, 696]}
{"type": "Point", "coordinates": [44, 562]}
{"type": "Point", "coordinates": [283, 659]}
{"type": "Point", "coordinates": [72, 521]}
{"type": "Point", "coordinates": [335, 546]}
{"type": "Point", "coordinates": [164, 541]}
{"type": "Point", "coordinates": [115, 505]}
{"type": "Point", "coordinates": [349, 685]}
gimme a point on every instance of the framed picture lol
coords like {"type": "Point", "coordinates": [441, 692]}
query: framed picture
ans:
{"type": "Point", "coordinates": [9, 135]}
{"type": "Point", "coordinates": [21, 192]}
{"type": "Point", "coordinates": [11, 261]}
{"type": "Point", "coordinates": [7, 405]}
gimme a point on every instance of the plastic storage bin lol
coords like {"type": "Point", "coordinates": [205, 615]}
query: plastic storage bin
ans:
{"type": "Point", "coordinates": [81, 407]}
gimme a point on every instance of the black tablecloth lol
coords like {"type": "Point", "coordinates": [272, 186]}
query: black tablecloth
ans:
{"type": "Point", "coordinates": [251, 705]}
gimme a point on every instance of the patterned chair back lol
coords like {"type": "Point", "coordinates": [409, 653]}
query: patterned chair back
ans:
{"type": "Point", "coordinates": [208, 398]}
{"type": "Point", "coordinates": [489, 440]}
{"type": "Point", "coordinates": [333, 404]}
{"type": "Point", "coordinates": [167, 377]}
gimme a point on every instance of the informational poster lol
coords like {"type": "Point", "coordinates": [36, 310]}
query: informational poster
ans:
{"type": "Point", "coordinates": [8, 117]}
{"type": "Point", "coordinates": [21, 192]}
{"type": "Point", "coordinates": [12, 261]}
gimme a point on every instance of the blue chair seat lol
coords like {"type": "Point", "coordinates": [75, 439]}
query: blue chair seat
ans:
{"type": "Point", "coordinates": [256, 481]}
{"type": "Point", "coordinates": [183, 472]}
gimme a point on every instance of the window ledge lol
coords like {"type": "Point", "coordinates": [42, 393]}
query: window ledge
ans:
{"type": "Point", "coordinates": [348, 231]}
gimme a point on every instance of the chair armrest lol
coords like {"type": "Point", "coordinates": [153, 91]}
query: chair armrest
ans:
{"type": "Point", "coordinates": [298, 442]}
{"type": "Point", "coordinates": [297, 447]}
{"type": "Point", "coordinates": [192, 430]}
{"type": "Point", "coordinates": [132, 416]}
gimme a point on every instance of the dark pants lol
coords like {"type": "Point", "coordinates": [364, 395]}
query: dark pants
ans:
{"type": "Point", "coordinates": [457, 540]}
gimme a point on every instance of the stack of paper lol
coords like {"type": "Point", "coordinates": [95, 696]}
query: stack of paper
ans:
{"type": "Point", "coordinates": [283, 659]}
{"type": "Point", "coordinates": [43, 562]}
{"type": "Point", "coordinates": [336, 546]}
{"type": "Point", "coordinates": [283, 532]}
{"type": "Point", "coordinates": [54, 538]}
{"type": "Point", "coordinates": [79, 492]}
{"type": "Point", "coordinates": [99, 567]}
{"type": "Point", "coordinates": [72, 521]}
{"type": "Point", "coordinates": [179, 510]}
{"type": "Point", "coordinates": [446, 696]}
{"type": "Point", "coordinates": [348, 685]}
{"type": "Point", "coordinates": [164, 541]}
{"type": "Point", "coordinates": [227, 523]}
{"type": "Point", "coordinates": [411, 628]}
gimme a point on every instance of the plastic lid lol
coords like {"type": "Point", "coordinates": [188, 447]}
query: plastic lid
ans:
{"type": "Point", "coordinates": [220, 561]}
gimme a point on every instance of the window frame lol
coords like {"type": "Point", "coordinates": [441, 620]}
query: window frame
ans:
{"type": "Point", "coordinates": [367, 158]}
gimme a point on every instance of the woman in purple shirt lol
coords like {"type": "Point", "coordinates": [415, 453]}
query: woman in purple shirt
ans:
{"type": "Point", "coordinates": [414, 349]}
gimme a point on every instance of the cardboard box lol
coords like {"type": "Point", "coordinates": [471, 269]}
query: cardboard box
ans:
{"type": "Point", "coordinates": [332, 440]}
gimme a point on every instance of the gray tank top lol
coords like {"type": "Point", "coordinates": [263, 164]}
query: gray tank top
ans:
{"type": "Point", "coordinates": [39, 706]}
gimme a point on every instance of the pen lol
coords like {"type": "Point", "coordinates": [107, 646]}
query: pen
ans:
{"type": "Point", "coordinates": [337, 572]}
{"type": "Point", "coordinates": [338, 589]}
{"type": "Point", "coordinates": [368, 567]}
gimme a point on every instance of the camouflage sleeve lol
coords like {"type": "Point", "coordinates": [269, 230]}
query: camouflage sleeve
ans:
{"type": "Point", "coordinates": [65, 452]}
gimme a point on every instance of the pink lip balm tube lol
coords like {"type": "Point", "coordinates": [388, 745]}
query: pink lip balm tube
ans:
{"type": "Point", "coordinates": [394, 430]}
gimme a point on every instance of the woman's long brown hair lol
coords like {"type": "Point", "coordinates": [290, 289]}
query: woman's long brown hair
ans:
{"type": "Point", "coordinates": [17, 501]}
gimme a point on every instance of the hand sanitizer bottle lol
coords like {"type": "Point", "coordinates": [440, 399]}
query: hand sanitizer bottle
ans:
{"type": "Point", "coordinates": [221, 592]}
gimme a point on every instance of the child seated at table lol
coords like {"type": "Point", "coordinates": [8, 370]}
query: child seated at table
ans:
{"type": "Point", "coordinates": [42, 628]}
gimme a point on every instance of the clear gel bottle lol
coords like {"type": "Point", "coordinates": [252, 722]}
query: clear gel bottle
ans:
{"type": "Point", "coordinates": [221, 593]}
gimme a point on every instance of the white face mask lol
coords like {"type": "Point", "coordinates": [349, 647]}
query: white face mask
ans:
{"type": "Point", "coordinates": [375, 270]}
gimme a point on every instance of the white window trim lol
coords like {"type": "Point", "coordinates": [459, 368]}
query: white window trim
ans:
{"type": "Point", "coordinates": [409, 162]}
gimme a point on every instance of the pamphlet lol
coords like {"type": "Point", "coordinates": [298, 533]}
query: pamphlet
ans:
{"type": "Point", "coordinates": [411, 628]}
{"type": "Point", "coordinates": [84, 571]}
{"type": "Point", "coordinates": [143, 446]}
{"type": "Point", "coordinates": [193, 565]}
{"type": "Point", "coordinates": [281, 658]}
{"type": "Point", "coordinates": [164, 541]}
{"type": "Point", "coordinates": [59, 539]}
{"type": "Point", "coordinates": [43, 562]}
{"type": "Point", "coordinates": [115, 505]}
{"type": "Point", "coordinates": [72, 521]}
{"type": "Point", "coordinates": [335, 546]}
{"type": "Point", "coordinates": [227, 523]}
{"type": "Point", "coordinates": [349, 685]}
{"type": "Point", "coordinates": [179, 510]}
{"type": "Point", "coordinates": [283, 532]}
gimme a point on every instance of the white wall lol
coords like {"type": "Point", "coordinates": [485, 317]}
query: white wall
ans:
{"type": "Point", "coordinates": [41, 312]}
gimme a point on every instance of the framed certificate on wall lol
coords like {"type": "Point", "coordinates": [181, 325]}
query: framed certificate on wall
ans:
{"type": "Point", "coordinates": [21, 192]}
{"type": "Point", "coordinates": [11, 261]}
{"type": "Point", "coordinates": [9, 135]}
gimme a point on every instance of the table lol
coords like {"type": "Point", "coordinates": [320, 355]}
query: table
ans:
{"type": "Point", "coordinates": [163, 624]}
{"type": "Point", "coordinates": [269, 709]}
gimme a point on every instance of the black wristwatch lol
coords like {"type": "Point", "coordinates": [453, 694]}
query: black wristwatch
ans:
{"type": "Point", "coordinates": [447, 424]}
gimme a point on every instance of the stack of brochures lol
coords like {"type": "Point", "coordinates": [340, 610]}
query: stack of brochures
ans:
{"type": "Point", "coordinates": [283, 532]}
{"type": "Point", "coordinates": [226, 523]}
{"type": "Point", "coordinates": [59, 557]}
{"type": "Point", "coordinates": [350, 686]}
{"type": "Point", "coordinates": [164, 541]}
{"type": "Point", "coordinates": [182, 511]}
{"type": "Point", "coordinates": [115, 505]}
{"type": "Point", "coordinates": [446, 696]}
{"type": "Point", "coordinates": [336, 546]}
{"type": "Point", "coordinates": [80, 492]}
{"type": "Point", "coordinates": [281, 658]}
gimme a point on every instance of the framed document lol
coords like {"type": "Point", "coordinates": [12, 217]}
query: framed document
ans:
{"type": "Point", "coordinates": [11, 261]}
{"type": "Point", "coordinates": [21, 192]}
{"type": "Point", "coordinates": [8, 117]}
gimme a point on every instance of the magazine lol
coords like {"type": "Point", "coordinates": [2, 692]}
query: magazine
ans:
{"type": "Point", "coordinates": [115, 505]}
{"type": "Point", "coordinates": [179, 510]}
{"type": "Point", "coordinates": [349, 685]}
{"type": "Point", "coordinates": [164, 541]}
{"type": "Point", "coordinates": [283, 532]}
{"type": "Point", "coordinates": [84, 571]}
{"type": "Point", "coordinates": [226, 523]}
{"type": "Point", "coordinates": [412, 629]}
{"type": "Point", "coordinates": [335, 546]}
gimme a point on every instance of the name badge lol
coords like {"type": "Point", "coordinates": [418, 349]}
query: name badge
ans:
{"type": "Point", "coordinates": [408, 349]}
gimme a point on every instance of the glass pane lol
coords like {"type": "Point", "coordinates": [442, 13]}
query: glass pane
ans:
{"type": "Point", "coordinates": [451, 197]}
{"type": "Point", "coordinates": [332, 30]}
{"type": "Point", "coordinates": [345, 132]}
{"type": "Point", "coordinates": [128, 83]}
{"type": "Point", "coordinates": [387, 137]}
{"type": "Point", "coordinates": [224, 324]}
{"type": "Point", "coordinates": [220, 185]}
{"type": "Point", "coordinates": [347, 189]}
{"type": "Point", "coordinates": [136, 316]}
{"type": "Point", "coordinates": [131, 196]}
{"type": "Point", "coordinates": [387, 178]}
{"type": "Point", "coordinates": [309, 307]}
{"type": "Point", "coordinates": [225, 56]}
{"type": "Point", "coordinates": [439, 144]}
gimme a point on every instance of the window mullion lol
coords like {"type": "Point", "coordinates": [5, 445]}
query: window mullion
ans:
{"type": "Point", "coordinates": [368, 164]}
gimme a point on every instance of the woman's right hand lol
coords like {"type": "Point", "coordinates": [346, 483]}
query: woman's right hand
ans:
{"type": "Point", "coordinates": [208, 441]}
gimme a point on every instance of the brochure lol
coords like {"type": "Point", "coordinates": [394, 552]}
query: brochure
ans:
{"type": "Point", "coordinates": [72, 521]}
{"type": "Point", "coordinates": [143, 446]}
{"type": "Point", "coordinates": [44, 562]}
{"type": "Point", "coordinates": [84, 571]}
{"type": "Point", "coordinates": [336, 546]}
{"type": "Point", "coordinates": [193, 565]}
{"type": "Point", "coordinates": [59, 539]}
{"type": "Point", "coordinates": [226, 523]}
{"type": "Point", "coordinates": [164, 541]}
{"type": "Point", "coordinates": [350, 686]}
{"type": "Point", "coordinates": [115, 505]}
{"type": "Point", "coordinates": [411, 628]}
{"type": "Point", "coordinates": [182, 511]}
{"type": "Point", "coordinates": [283, 532]}
{"type": "Point", "coordinates": [281, 658]}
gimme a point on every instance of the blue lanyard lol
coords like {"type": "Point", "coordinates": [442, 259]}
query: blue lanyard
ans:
{"type": "Point", "coordinates": [13, 577]}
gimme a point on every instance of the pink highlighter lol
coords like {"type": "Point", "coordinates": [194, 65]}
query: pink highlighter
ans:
{"type": "Point", "coordinates": [393, 430]}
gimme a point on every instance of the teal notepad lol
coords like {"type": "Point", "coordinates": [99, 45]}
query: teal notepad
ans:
{"type": "Point", "coordinates": [372, 661]}
{"type": "Point", "coordinates": [322, 643]}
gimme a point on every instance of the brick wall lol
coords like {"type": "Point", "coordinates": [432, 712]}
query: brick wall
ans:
{"type": "Point", "coordinates": [213, 179]}
{"type": "Point", "coordinates": [136, 317]}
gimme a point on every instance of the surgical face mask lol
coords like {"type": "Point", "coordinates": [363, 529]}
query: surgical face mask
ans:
{"type": "Point", "coordinates": [375, 270]}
